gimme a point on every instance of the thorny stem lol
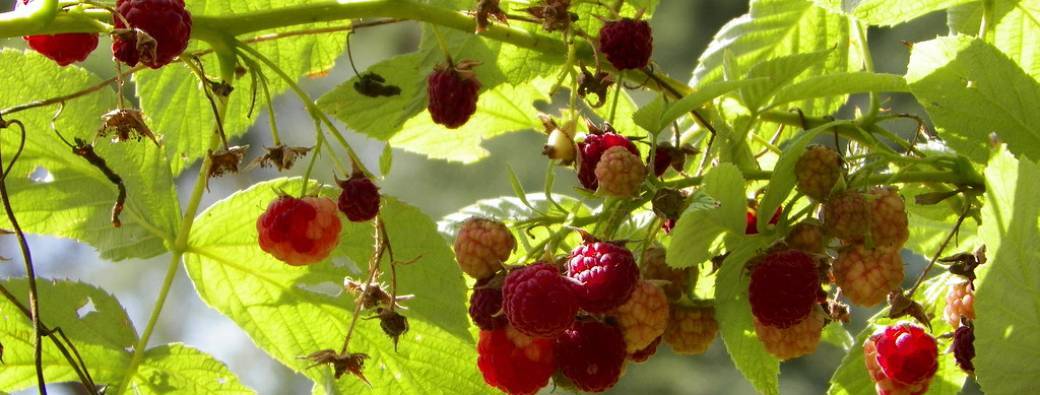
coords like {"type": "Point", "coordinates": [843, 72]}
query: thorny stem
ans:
{"type": "Point", "coordinates": [30, 271]}
{"type": "Point", "coordinates": [939, 252]}
{"type": "Point", "coordinates": [373, 270]}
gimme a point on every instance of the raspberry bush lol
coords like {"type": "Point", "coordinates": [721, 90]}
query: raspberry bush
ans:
{"type": "Point", "coordinates": [780, 199]}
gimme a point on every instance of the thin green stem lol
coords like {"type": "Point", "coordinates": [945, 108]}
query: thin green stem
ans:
{"type": "Point", "coordinates": [310, 165]}
{"type": "Point", "coordinates": [868, 65]}
{"type": "Point", "coordinates": [12, 23]}
{"type": "Point", "coordinates": [157, 307]}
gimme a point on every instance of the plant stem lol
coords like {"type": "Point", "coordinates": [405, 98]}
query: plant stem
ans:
{"type": "Point", "coordinates": [868, 66]}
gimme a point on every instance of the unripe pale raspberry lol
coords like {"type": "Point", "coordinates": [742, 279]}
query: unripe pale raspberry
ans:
{"type": "Point", "coordinates": [538, 301]}
{"type": "Point", "coordinates": [691, 330]}
{"type": "Point", "coordinates": [867, 275]}
{"type": "Point", "coordinates": [359, 200]}
{"type": "Point", "coordinates": [485, 306]}
{"type": "Point", "coordinates": [889, 226]}
{"type": "Point", "coordinates": [606, 273]}
{"type": "Point", "coordinates": [620, 173]}
{"type": "Point", "coordinates": [513, 362]}
{"type": "Point", "coordinates": [591, 354]}
{"type": "Point", "coordinates": [644, 317]}
{"type": "Point", "coordinates": [481, 246]}
{"type": "Point", "coordinates": [964, 347]}
{"type": "Point", "coordinates": [806, 236]}
{"type": "Point", "coordinates": [901, 359]}
{"type": "Point", "coordinates": [627, 43]}
{"type": "Point", "coordinates": [656, 268]}
{"type": "Point", "coordinates": [784, 287]}
{"type": "Point", "coordinates": [453, 92]}
{"type": "Point", "coordinates": [64, 49]}
{"type": "Point", "coordinates": [166, 21]}
{"type": "Point", "coordinates": [817, 171]}
{"type": "Point", "coordinates": [299, 231]}
{"type": "Point", "coordinates": [794, 341]}
{"type": "Point", "coordinates": [960, 301]}
{"type": "Point", "coordinates": [644, 354]}
{"type": "Point", "coordinates": [591, 150]}
{"type": "Point", "coordinates": [847, 216]}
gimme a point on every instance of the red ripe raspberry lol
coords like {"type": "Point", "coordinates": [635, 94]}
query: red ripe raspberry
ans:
{"type": "Point", "coordinates": [299, 231]}
{"type": "Point", "coordinates": [65, 49]}
{"type": "Point", "coordinates": [901, 359]}
{"type": "Point", "coordinates": [964, 347]}
{"type": "Point", "coordinates": [481, 246]}
{"type": "Point", "coordinates": [666, 156]}
{"type": "Point", "coordinates": [960, 302]}
{"type": "Point", "coordinates": [620, 173]}
{"type": "Point", "coordinates": [817, 171]}
{"type": "Point", "coordinates": [359, 200]}
{"type": "Point", "coordinates": [607, 274]}
{"type": "Point", "coordinates": [538, 301]}
{"type": "Point", "coordinates": [888, 223]}
{"type": "Point", "coordinates": [628, 43]}
{"type": "Point", "coordinates": [485, 306]}
{"type": "Point", "coordinates": [751, 220]}
{"type": "Point", "coordinates": [691, 330]}
{"type": "Point", "coordinates": [847, 216]}
{"type": "Point", "coordinates": [785, 286]}
{"type": "Point", "coordinates": [794, 341]}
{"type": "Point", "coordinates": [647, 352]}
{"type": "Point", "coordinates": [806, 236]}
{"type": "Point", "coordinates": [865, 275]}
{"type": "Point", "coordinates": [677, 280]}
{"type": "Point", "coordinates": [591, 354]}
{"type": "Point", "coordinates": [644, 317]}
{"type": "Point", "coordinates": [453, 92]}
{"type": "Point", "coordinates": [513, 362]}
{"type": "Point", "coordinates": [166, 21]}
{"type": "Point", "coordinates": [591, 150]}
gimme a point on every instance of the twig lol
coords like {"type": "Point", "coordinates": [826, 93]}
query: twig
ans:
{"type": "Point", "coordinates": [373, 270]}
{"type": "Point", "coordinates": [939, 253]}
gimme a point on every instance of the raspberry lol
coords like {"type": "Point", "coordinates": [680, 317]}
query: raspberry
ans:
{"type": "Point", "coordinates": [806, 236]}
{"type": "Point", "coordinates": [359, 200]}
{"type": "Point", "coordinates": [513, 362]}
{"type": "Point", "coordinates": [591, 354]}
{"type": "Point", "coordinates": [901, 359]}
{"type": "Point", "coordinates": [481, 246]}
{"type": "Point", "coordinates": [964, 347]}
{"type": "Point", "coordinates": [538, 301]}
{"type": "Point", "coordinates": [628, 43]}
{"type": "Point", "coordinates": [453, 92]}
{"type": "Point", "coordinates": [166, 21]}
{"type": "Point", "coordinates": [299, 231]}
{"type": "Point", "coordinates": [785, 286]}
{"type": "Point", "coordinates": [620, 173]}
{"type": "Point", "coordinates": [751, 220]}
{"type": "Point", "coordinates": [888, 223]}
{"type": "Point", "coordinates": [644, 354]}
{"type": "Point", "coordinates": [607, 274]}
{"type": "Point", "coordinates": [960, 301]}
{"type": "Point", "coordinates": [560, 144]}
{"type": "Point", "coordinates": [817, 171]}
{"type": "Point", "coordinates": [485, 306]}
{"type": "Point", "coordinates": [678, 280]}
{"type": "Point", "coordinates": [65, 49]}
{"type": "Point", "coordinates": [644, 317]}
{"type": "Point", "coordinates": [793, 341]}
{"type": "Point", "coordinates": [591, 150]}
{"type": "Point", "coordinates": [691, 330]}
{"type": "Point", "coordinates": [847, 216]}
{"type": "Point", "coordinates": [865, 275]}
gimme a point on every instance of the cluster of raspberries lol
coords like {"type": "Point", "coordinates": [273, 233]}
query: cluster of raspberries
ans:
{"type": "Point", "coordinates": [580, 321]}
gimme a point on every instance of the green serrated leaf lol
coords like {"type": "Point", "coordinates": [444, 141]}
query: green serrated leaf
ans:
{"type": "Point", "coordinates": [1015, 28]}
{"type": "Point", "coordinates": [726, 184]}
{"type": "Point", "coordinates": [839, 84]}
{"type": "Point", "coordinates": [91, 317]}
{"type": "Point", "coordinates": [659, 119]}
{"type": "Point", "coordinates": [889, 13]}
{"type": "Point", "coordinates": [782, 182]}
{"type": "Point", "coordinates": [1007, 297]}
{"type": "Point", "coordinates": [178, 108]}
{"type": "Point", "coordinates": [778, 73]}
{"type": "Point", "coordinates": [284, 311]}
{"type": "Point", "coordinates": [49, 182]}
{"type": "Point", "coordinates": [733, 312]}
{"type": "Point", "coordinates": [836, 334]}
{"type": "Point", "coordinates": [178, 369]}
{"type": "Point", "coordinates": [719, 206]}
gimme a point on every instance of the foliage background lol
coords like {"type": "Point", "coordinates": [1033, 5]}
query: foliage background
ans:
{"type": "Point", "coordinates": [682, 29]}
